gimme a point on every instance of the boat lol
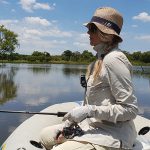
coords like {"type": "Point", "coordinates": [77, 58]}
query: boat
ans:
{"type": "Point", "coordinates": [26, 135]}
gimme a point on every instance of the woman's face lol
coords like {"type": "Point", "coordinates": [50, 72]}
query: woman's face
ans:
{"type": "Point", "coordinates": [93, 35]}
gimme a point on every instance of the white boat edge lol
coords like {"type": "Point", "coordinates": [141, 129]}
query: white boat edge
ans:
{"type": "Point", "coordinates": [30, 129]}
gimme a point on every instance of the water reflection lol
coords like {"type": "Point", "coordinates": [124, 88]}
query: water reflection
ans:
{"type": "Point", "coordinates": [75, 70]}
{"type": "Point", "coordinates": [33, 87]}
{"type": "Point", "coordinates": [42, 69]}
{"type": "Point", "coordinates": [142, 69]}
{"type": "Point", "coordinates": [142, 90]}
{"type": "Point", "coordinates": [8, 88]}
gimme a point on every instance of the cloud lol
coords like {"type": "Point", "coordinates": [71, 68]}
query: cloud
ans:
{"type": "Point", "coordinates": [55, 32]}
{"type": "Point", "coordinates": [145, 17]}
{"type": "Point", "coordinates": [13, 10]}
{"type": "Point", "coordinates": [4, 2]}
{"type": "Point", "coordinates": [43, 6]}
{"type": "Point", "coordinates": [134, 26]}
{"type": "Point", "coordinates": [8, 22]}
{"type": "Point", "coordinates": [144, 37]}
{"type": "Point", "coordinates": [30, 34]}
{"type": "Point", "coordinates": [82, 40]}
{"type": "Point", "coordinates": [30, 5]}
{"type": "Point", "coordinates": [79, 44]}
{"type": "Point", "coordinates": [35, 33]}
{"type": "Point", "coordinates": [39, 101]}
{"type": "Point", "coordinates": [37, 20]}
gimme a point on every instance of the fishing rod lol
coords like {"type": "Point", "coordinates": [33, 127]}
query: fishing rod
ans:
{"type": "Point", "coordinates": [58, 114]}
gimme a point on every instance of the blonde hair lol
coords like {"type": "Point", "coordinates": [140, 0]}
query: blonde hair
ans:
{"type": "Point", "coordinates": [111, 41]}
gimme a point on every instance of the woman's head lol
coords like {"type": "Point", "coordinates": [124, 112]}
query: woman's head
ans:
{"type": "Point", "coordinates": [105, 26]}
{"type": "Point", "coordinates": [98, 37]}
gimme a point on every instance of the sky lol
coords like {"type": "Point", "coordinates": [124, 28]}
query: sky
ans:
{"type": "Point", "coordinates": [57, 25]}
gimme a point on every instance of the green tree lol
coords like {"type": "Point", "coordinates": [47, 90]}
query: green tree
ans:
{"type": "Point", "coordinates": [87, 56]}
{"type": "Point", "coordinates": [66, 55]}
{"type": "Point", "coordinates": [40, 56]}
{"type": "Point", "coordinates": [8, 88]}
{"type": "Point", "coordinates": [145, 57]}
{"type": "Point", "coordinates": [75, 56]}
{"type": "Point", "coordinates": [36, 53]}
{"type": "Point", "coordinates": [136, 55]}
{"type": "Point", "coordinates": [8, 40]}
{"type": "Point", "coordinates": [129, 56]}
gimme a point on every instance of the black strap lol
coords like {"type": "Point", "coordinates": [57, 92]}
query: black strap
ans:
{"type": "Point", "coordinates": [102, 56]}
{"type": "Point", "coordinates": [106, 23]}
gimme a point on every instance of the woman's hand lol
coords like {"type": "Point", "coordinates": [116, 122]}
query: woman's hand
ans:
{"type": "Point", "coordinates": [78, 114]}
{"type": "Point", "coordinates": [60, 138]}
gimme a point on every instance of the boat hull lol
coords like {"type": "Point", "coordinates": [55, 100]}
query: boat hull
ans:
{"type": "Point", "coordinates": [27, 134]}
{"type": "Point", "coordinates": [30, 129]}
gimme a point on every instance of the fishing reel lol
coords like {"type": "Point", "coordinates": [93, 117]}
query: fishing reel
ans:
{"type": "Point", "coordinates": [83, 81]}
{"type": "Point", "coordinates": [71, 131]}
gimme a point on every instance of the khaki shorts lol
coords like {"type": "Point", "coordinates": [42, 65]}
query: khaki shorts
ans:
{"type": "Point", "coordinates": [74, 145]}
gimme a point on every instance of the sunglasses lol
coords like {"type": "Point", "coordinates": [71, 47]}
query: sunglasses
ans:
{"type": "Point", "coordinates": [92, 28]}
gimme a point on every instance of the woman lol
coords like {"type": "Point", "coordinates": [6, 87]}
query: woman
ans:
{"type": "Point", "coordinates": [110, 105]}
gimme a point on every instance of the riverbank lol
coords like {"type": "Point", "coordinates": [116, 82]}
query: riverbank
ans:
{"type": "Point", "coordinates": [134, 63]}
{"type": "Point", "coordinates": [50, 62]}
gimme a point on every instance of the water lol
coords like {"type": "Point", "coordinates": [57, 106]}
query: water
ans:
{"type": "Point", "coordinates": [32, 87]}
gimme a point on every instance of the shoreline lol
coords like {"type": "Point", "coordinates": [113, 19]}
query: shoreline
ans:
{"type": "Point", "coordinates": [65, 62]}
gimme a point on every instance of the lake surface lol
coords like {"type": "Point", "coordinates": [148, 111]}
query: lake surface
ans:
{"type": "Point", "coordinates": [32, 87]}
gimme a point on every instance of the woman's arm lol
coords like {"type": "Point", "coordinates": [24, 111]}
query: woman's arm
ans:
{"type": "Point", "coordinates": [119, 78]}
{"type": "Point", "coordinates": [125, 107]}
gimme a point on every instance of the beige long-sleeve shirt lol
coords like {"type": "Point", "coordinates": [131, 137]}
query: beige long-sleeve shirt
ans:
{"type": "Point", "coordinates": [113, 103]}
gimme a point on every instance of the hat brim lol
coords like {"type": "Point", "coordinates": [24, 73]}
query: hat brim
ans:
{"type": "Point", "coordinates": [104, 29]}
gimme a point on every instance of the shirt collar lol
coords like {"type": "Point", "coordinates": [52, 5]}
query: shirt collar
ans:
{"type": "Point", "coordinates": [100, 49]}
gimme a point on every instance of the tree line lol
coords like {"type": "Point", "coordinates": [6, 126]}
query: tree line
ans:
{"type": "Point", "coordinates": [9, 42]}
{"type": "Point", "coordinates": [45, 57]}
{"type": "Point", "coordinates": [69, 56]}
{"type": "Point", "coordinates": [139, 56]}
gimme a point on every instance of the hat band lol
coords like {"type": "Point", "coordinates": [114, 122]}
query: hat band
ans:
{"type": "Point", "coordinates": [106, 23]}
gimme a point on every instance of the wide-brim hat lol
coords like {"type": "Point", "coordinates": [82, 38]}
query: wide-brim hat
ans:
{"type": "Point", "coordinates": [107, 20]}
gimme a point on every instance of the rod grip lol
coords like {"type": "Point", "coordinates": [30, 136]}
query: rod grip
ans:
{"type": "Point", "coordinates": [61, 114]}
